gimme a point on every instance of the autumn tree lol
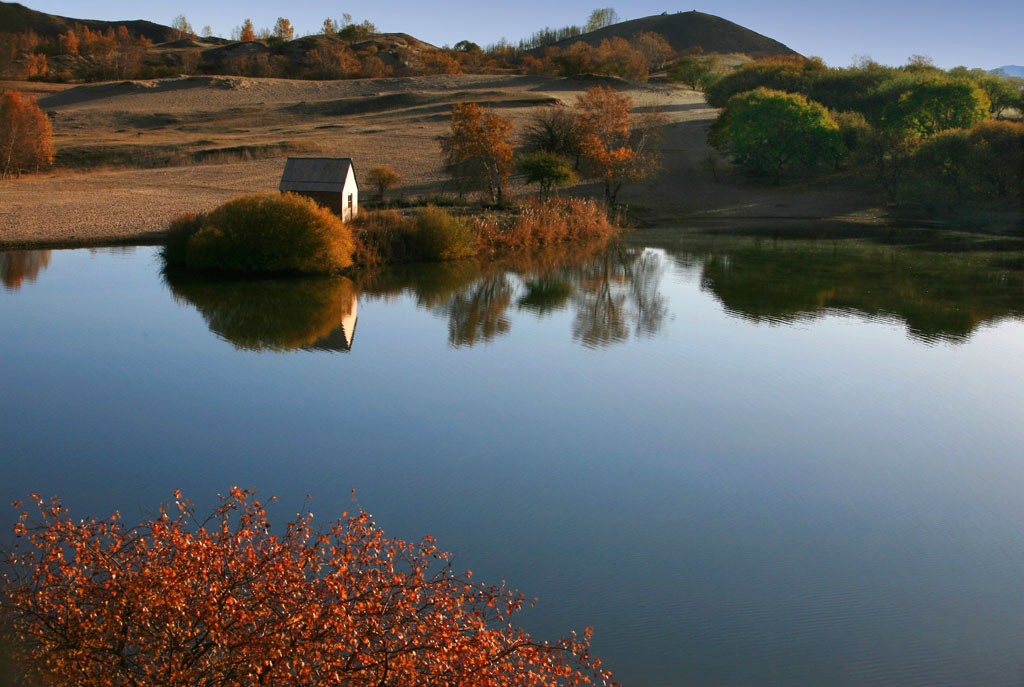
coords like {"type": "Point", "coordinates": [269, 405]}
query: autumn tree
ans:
{"type": "Point", "coordinates": [283, 29]}
{"type": "Point", "coordinates": [382, 178]}
{"type": "Point", "coordinates": [247, 33]}
{"type": "Point", "coordinates": [615, 146]}
{"type": "Point", "coordinates": [26, 138]}
{"type": "Point", "coordinates": [178, 601]}
{"type": "Point", "coordinates": [477, 152]}
{"type": "Point", "coordinates": [332, 61]}
{"type": "Point", "coordinates": [330, 27]}
{"type": "Point", "coordinates": [771, 132]}
{"type": "Point", "coordinates": [69, 42]}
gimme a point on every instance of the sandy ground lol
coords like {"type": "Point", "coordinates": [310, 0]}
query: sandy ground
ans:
{"type": "Point", "coordinates": [387, 121]}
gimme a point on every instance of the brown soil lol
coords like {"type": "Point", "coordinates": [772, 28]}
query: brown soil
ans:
{"type": "Point", "coordinates": [392, 122]}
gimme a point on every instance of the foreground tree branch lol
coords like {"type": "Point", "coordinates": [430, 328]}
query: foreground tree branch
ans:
{"type": "Point", "coordinates": [175, 602]}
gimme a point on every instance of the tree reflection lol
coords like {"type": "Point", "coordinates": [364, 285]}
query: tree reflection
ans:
{"type": "Point", "coordinates": [613, 292]}
{"type": "Point", "coordinates": [619, 293]}
{"type": "Point", "coordinates": [477, 314]}
{"type": "Point", "coordinates": [940, 297]}
{"type": "Point", "coordinates": [273, 314]}
{"type": "Point", "coordinates": [17, 266]}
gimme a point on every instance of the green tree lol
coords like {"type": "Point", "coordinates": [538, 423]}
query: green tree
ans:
{"type": "Point", "coordinates": [695, 72]}
{"type": "Point", "coordinates": [937, 104]}
{"type": "Point", "coordinates": [789, 73]}
{"type": "Point", "coordinates": [547, 170]}
{"type": "Point", "coordinates": [945, 159]}
{"type": "Point", "coordinates": [998, 151]}
{"type": "Point", "coordinates": [1003, 92]}
{"type": "Point", "coordinates": [771, 132]}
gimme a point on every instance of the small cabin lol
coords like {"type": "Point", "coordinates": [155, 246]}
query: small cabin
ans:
{"type": "Point", "coordinates": [330, 181]}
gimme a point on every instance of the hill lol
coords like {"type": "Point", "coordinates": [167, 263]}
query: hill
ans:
{"type": "Point", "coordinates": [686, 30]}
{"type": "Point", "coordinates": [1010, 70]}
{"type": "Point", "coordinates": [16, 18]}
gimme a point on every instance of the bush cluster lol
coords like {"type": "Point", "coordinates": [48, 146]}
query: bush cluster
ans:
{"type": "Point", "coordinates": [434, 234]}
{"type": "Point", "coordinates": [262, 232]}
{"type": "Point", "coordinates": [924, 131]}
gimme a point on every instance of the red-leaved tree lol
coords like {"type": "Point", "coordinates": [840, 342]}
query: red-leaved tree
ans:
{"type": "Point", "coordinates": [222, 602]}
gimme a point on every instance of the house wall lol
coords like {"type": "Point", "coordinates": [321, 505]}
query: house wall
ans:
{"type": "Point", "coordinates": [325, 199]}
{"type": "Point", "coordinates": [350, 188]}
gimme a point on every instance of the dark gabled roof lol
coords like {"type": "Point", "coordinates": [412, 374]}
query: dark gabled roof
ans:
{"type": "Point", "coordinates": [316, 173]}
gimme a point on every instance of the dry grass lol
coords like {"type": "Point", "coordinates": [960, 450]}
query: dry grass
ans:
{"type": "Point", "coordinates": [433, 234]}
{"type": "Point", "coordinates": [543, 223]}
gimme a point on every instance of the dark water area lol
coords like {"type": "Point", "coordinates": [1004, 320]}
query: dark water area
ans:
{"type": "Point", "coordinates": [744, 461]}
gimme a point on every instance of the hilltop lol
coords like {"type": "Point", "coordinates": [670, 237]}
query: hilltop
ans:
{"type": "Point", "coordinates": [16, 18]}
{"type": "Point", "coordinates": [1010, 70]}
{"type": "Point", "coordinates": [687, 30]}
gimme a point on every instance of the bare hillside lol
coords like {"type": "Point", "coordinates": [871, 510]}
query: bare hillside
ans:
{"type": "Point", "coordinates": [16, 18]}
{"type": "Point", "coordinates": [687, 30]}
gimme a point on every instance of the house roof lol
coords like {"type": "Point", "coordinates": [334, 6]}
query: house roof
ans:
{"type": "Point", "coordinates": [316, 173]}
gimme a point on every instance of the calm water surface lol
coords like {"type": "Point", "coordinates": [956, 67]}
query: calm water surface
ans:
{"type": "Point", "coordinates": [743, 462]}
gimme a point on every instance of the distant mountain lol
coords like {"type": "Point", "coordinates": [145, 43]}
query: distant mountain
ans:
{"type": "Point", "coordinates": [15, 18]}
{"type": "Point", "coordinates": [1011, 70]}
{"type": "Point", "coordinates": [685, 30]}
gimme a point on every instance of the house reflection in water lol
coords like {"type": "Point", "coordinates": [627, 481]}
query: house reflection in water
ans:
{"type": "Point", "coordinates": [312, 314]}
{"type": "Point", "coordinates": [339, 340]}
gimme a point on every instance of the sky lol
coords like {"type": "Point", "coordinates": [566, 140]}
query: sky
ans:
{"type": "Point", "coordinates": [985, 34]}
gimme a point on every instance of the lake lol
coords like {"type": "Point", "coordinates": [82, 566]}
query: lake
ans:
{"type": "Point", "coordinates": [743, 460]}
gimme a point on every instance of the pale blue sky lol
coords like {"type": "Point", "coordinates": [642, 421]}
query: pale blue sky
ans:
{"type": "Point", "coordinates": [980, 34]}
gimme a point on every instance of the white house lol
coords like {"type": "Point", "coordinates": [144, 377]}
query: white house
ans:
{"type": "Point", "coordinates": [330, 181]}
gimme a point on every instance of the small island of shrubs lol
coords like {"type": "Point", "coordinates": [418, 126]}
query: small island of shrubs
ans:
{"type": "Point", "coordinates": [269, 233]}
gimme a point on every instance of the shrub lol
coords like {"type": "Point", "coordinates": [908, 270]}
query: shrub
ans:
{"type": "Point", "coordinates": [182, 228]}
{"type": "Point", "coordinates": [547, 170]}
{"type": "Point", "coordinates": [439, 236]}
{"type": "Point", "coordinates": [998, 148]}
{"type": "Point", "coordinates": [853, 129]}
{"type": "Point", "coordinates": [556, 220]}
{"type": "Point", "coordinates": [266, 232]}
{"type": "Point", "coordinates": [382, 236]}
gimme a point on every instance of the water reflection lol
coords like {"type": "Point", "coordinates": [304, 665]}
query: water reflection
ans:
{"type": "Point", "coordinates": [940, 297]}
{"type": "Point", "coordinates": [17, 266]}
{"type": "Point", "coordinates": [613, 292]}
{"type": "Point", "coordinates": [273, 314]}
